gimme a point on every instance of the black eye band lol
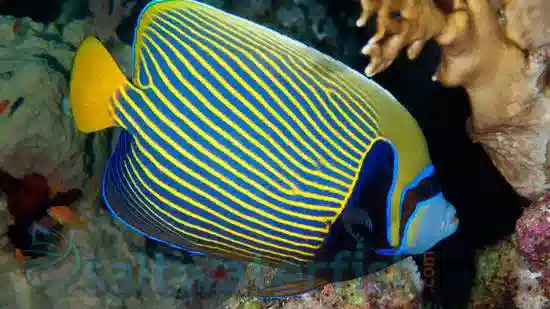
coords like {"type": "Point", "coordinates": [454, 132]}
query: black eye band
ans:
{"type": "Point", "coordinates": [427, 188]}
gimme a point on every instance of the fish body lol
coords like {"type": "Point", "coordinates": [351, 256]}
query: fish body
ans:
{"type": "Point", "coordinates": [243, 143]}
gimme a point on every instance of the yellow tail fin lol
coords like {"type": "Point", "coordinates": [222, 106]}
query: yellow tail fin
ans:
{"type": "Point", "coordinates": [95, 77]}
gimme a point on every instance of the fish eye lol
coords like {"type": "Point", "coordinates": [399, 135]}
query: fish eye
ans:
{"type": "Point", "coordinates": [427, 188]}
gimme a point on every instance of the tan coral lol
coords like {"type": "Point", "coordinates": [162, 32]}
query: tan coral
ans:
{"type": "Point", "coordinates": [510, 113]}
{"type": "Point", "coordinates": [527, 22]}
{"type": "Point", "coordinates": [419, 21]}
{"type": "Point", "coordinates": [482, 52]}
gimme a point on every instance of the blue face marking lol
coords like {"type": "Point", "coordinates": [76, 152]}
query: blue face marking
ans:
{"type": "Point", "coordinates": [435, 220]}
{"type": "Point", "coordinates": [427, 171]}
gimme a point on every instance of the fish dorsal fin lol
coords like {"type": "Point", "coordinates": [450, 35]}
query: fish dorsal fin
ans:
{"type": "Point", "coordinates": [149, 13]}
{"type": "Point", "coordinates": [95, 78]}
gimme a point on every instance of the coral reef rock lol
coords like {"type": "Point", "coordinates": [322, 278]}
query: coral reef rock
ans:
{"type": "Point", "coordinates": [533, 238]}
{"type": "Point", "coordinates": [505, 280]}
{"type": "Point", "coordinates": [35, 135]}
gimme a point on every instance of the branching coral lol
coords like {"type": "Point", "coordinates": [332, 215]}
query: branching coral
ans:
{"type": "Point", "coordinates": [418, 21]}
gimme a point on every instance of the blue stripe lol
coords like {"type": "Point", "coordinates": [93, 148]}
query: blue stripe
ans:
{"type": "Point", "coordinates": [201, 213]}
{"type": "Point", "coordinates": [142, 78]}
{"type": "Point", "coordinates": [226, 111]}
{"type": "Point", "coordinates": [233, 100]}
{"type": "Point", "coordinates": [222, 37]}
{"type": "Point", "coordinates": [132, 197]}
{"type": "Point", "coordinates": [248, 46]}
{"type": "Point", "coordinates": [211, 132]}
{"type": "Point", "coordinates": [323, 69]}
{"type": "Point", "coordinates": [204, 157]}
{"type": "Point", "coordinates": [109, 198]}
{"type": "Point", "coordinates": [179, 188]}
{"type": "Point", "coordinates": [134, 203]}
{"type": "Point", "coordinates": [221, 154]}
{"type": "Point", "coordinates": [427, 171]}
{"type": "Point", "coordinates": [135, 213]}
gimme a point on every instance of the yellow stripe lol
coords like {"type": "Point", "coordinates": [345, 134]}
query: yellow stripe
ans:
{"type": "Point", "coordinates": [169, 157]}
{"type": "Point", "coordinates": [179, 231]}
{"type": "Point", "coordinates": [412, 232]}
{"type": "Point", "coordinates": [245, 102]}
{"type": "Point", "coordinates": [229, 209]}
{"type": "Point", "coordinates": [214, 186]}
{"type": "Point", "coordinates": [321, 86]}
{"type": "Point", "coordinates": [273, 65]}
{"type": "Point", "coordinates": [236, 158]}
{"type": "Point", "coordinates": [186, 212]}
{"type": "Point", "coordinates": [326, 68]}
{"type": "Point", "coordinates": [190, 87]}
{"type": "Point", "coordinates": [299, 52]}
{"type": "Point", "coordinates": [232, 248]}
{"type": "Point", "coordinates": [322, 63]}
{"type": "Point", "coordinates": [142, 66]}
{"type": "Point", "coordinates": [239, 95]}
{"type": "Point", "coordinates": [136, 192]}
{"type": "Point", "coordinates": [280, 87]}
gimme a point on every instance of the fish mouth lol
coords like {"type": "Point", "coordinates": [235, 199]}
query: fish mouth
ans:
{"type": "Point", "coordinates": [451, 220]}
{"type": "Point", "coordinates": [454, 220]}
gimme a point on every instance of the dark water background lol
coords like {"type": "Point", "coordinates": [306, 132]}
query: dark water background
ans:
{"type": "Point", "coordinates": [486, 205]}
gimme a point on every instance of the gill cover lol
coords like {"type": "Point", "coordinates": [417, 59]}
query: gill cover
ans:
{"type": "Point", "coordinates": [431, 222]}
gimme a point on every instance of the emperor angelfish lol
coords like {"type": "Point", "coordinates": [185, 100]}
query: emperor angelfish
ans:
{"type": "Point", "coordinates": [243, 143]}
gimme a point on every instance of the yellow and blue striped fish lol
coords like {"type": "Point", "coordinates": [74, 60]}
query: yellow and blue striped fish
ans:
{"type": "Point", "coordinates": [243, 143]}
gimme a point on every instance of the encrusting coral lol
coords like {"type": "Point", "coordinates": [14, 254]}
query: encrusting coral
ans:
{"type": "Point", "coordinates": [533, 238]}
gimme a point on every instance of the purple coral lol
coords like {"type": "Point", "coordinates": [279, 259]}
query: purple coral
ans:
{"type": "Point", "coordinates": [533, 235]}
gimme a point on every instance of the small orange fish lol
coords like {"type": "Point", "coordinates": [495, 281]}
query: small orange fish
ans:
{"type": "Point", "coordinates": [64, 215]}
{"type": "Point", "coordinates": [19, 255]}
